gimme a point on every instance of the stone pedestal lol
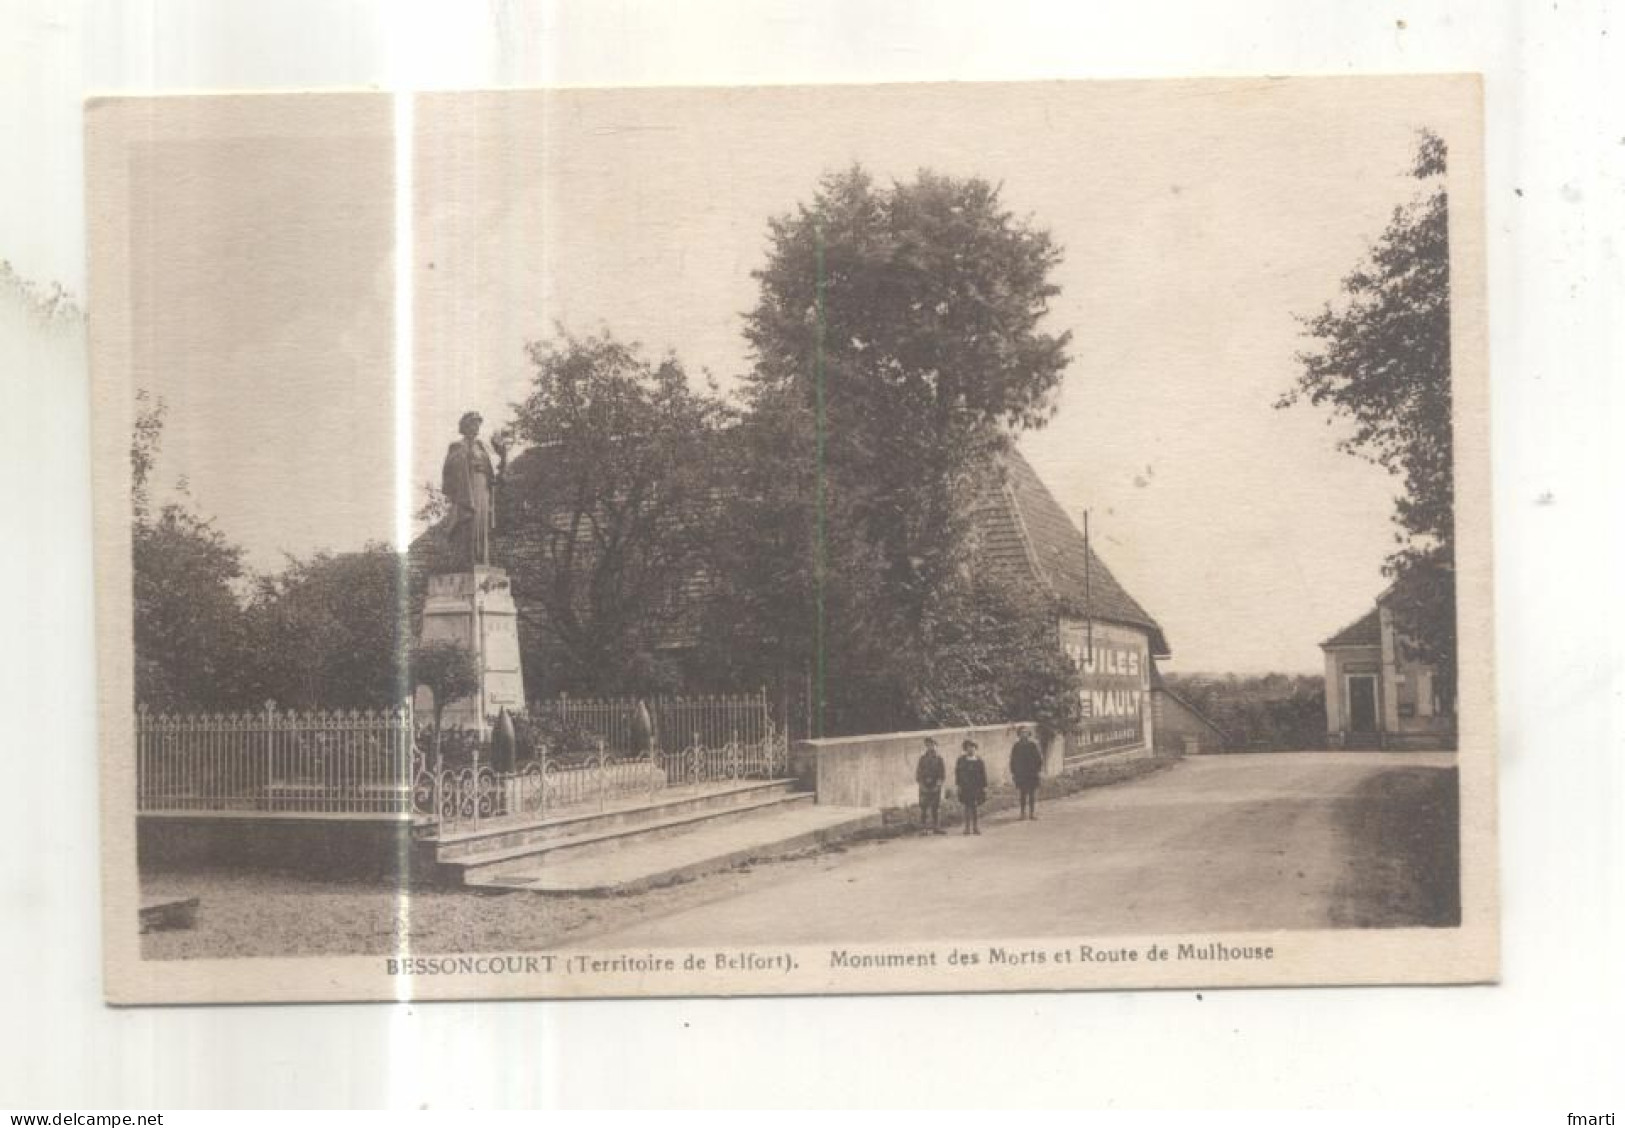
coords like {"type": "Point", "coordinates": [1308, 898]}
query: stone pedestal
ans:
{"type": "Point", "coordinates": [476, 608]}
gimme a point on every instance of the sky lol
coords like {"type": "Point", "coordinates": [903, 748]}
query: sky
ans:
{"type": "Point", "coordinates": [1196, 218]}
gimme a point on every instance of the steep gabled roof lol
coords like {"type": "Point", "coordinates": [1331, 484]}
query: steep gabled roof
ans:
{"type": "Point", "coordinates": [1364, 631]}
{"type": "Point", "coordinates": [1023, 527]}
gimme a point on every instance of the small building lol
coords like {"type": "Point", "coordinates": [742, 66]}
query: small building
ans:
{"type": "Point", "coordinates": [1377, 695]}
{"type": "Point", "coordinates": [1180, 727]}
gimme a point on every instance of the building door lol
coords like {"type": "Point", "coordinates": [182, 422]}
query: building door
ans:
{"type": "Point", "coordinates": [1363, 704]}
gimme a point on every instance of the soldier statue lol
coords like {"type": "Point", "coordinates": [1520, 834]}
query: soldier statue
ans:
{"type": "Point", "coordinates": [469, 482]}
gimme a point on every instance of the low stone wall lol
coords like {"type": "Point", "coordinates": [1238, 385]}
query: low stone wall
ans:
{"type": "Point", "coordinates": [346, 848]}
{"type": "Point", "coordinates": [878, 770]}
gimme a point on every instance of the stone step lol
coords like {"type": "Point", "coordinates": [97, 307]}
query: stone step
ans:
{"type": "Point", "coordinates": [619, 837]}
{"type": "Point", "coordinates": [705, 848]}
{"type": "Point", "coordinates": [1419, 742]}
{"type": "Point", "coordinates": [160, 914]}
{"type": "Point", "coordinates": [624, 812]}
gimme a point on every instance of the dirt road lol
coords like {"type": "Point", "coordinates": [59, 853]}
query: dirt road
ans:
{"type": "Point", "coordinates": [1284, 840]}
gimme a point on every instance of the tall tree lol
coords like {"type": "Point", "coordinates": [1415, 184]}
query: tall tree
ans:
{"type": "Point", "coordinates": [898, 338]}
{"type": "Point", "coordinates": [331, 631]}
{"type": "Point", "coordinates": [1382, 360]}
{"type": "Point", "coordinates": [188, 627]}
{"type": "Point", "coordinates": [990, 655]}
{"type": "Point", "coordinates": [606, 520]}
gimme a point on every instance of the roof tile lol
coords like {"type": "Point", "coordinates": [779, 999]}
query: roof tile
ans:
{"type": "Point", "coordinates": [1364, 631]}
{"type": "Point", "coordinates": [1023, 526]}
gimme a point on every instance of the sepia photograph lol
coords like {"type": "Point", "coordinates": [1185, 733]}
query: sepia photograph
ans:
{"type": "Point", "coordinates": [793, 540]}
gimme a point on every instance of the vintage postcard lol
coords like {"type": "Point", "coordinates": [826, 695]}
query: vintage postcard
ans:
{"type": "Point", "coordinates": [793, 540]}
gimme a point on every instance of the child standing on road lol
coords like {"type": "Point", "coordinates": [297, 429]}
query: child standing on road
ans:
{"type": "Point", "coordinates": [1026, 768]}
{"type": "Point", "coordinates": [929, 774]}
{"type": "Point", "coordinates": [970, 778]}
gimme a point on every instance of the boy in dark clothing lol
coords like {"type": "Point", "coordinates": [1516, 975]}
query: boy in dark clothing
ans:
{"type": "Point", "coordinates": [929, 774]}
{"type": "Point", "coordinates": [1026, 768]}
{"type": "Point", "coordinates": [970, 778]}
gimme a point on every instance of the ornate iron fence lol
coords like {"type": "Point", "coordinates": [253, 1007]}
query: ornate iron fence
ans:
{"type": "Point", "coordinates": [735, 761]}
{"type": "Point", "coordinates": [277, 762]}
{"type": "Point", "coordinates": [635, 725]}
{"type": "Point", "coordinates": [380, 763]}
{"type": "Point", "coordinates": [468, 789]}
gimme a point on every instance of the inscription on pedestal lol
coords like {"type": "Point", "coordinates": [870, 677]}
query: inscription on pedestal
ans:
{"type": "Point", "coordinates": [476, 609]}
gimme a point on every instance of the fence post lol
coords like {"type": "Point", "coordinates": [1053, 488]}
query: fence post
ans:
{"type": "Point", "coordinates": [654, 768]}
{"type": "Point", "coordinates": [476, 779]}
{"type": "Point", "coordinates": [643, 721]}
{"type": "Point", "coordinates": [541, 779]}
{"type": "Point", "coordinates": [602, 774]}
{"type": "Point", "coordinates": [439, 776]}
{"type": "Point", "coordinates": [268, 792]}
{"type": "Point", "coordinates": [143, 759]}
{"type": "Point", "coordinates": [405, 748]}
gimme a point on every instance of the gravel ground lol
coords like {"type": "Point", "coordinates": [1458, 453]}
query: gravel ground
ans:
{"type": "Point", "coordinates": [262, 915]}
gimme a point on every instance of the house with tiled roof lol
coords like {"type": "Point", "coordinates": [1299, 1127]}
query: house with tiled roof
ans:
{"type": "Point", "coordinates": [1112, 638]}
{"type": "Point", "coordinates": [1377, 695]}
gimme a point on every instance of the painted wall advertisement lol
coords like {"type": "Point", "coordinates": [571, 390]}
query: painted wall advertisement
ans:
{"type": "Point", "coordinates": [1116, 666]}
